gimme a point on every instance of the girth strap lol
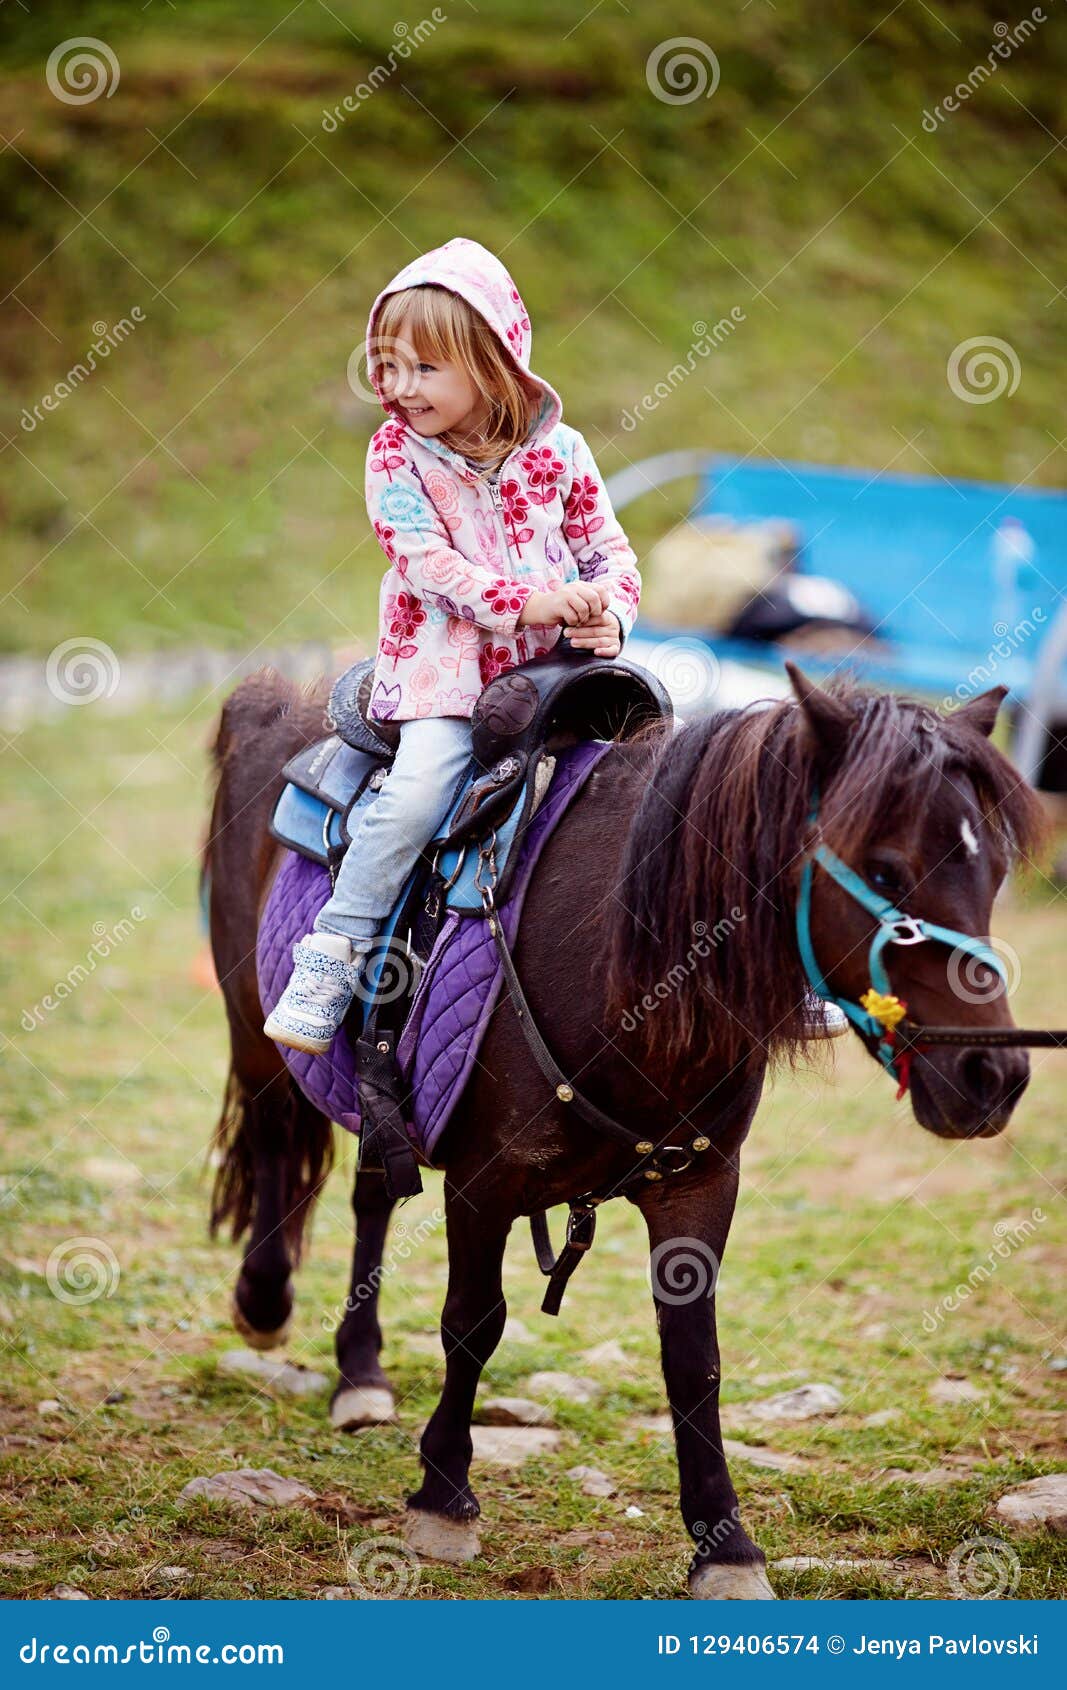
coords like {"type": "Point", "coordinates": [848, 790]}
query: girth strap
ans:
{"type": "Point", "coordinates": [581, 1230]}
{"type": "Point", "coordinates": [654, 1161]}
{"type": "Point", "coordinates": [565, 1089]}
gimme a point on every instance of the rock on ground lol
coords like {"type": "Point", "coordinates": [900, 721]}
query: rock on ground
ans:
{"type": "Point", "coordinates": [110, 1171]}
{"type": "Point", "coordinates": [819, 1564]}
{"type": "Point", "coordinates": [513, 1411]}
{"type": "Point", "coordinates": [954, 1390]}
{"type": "Point", "coordinates": [510, 1446]}
{"type": "Point", "coordinates": [758, 1455]}
{"type": "Point", "coordinates": [566, 1386]}
{"type": "Point", "coordinates": [68, 1593]}
{"type": "Point", "coordinates": [661, 1424]}
{"type": "Point", "coordinates": [1039, 1502]}
{"type": "Point", "coordinates": [804, 1402]}
{"type": "Point", "coordinates": [592, 1481]}
{"type": "Point", "coordinates": [930, 1477]}
{"type": "Point", "coordinates": [284, 1376]}
{"type": "Point", "coordinates": [608, 1354]}
{"type": "Point", "coordinates": [516, 1331]}
{"type": "Point", "coordinates": [248, 1487]}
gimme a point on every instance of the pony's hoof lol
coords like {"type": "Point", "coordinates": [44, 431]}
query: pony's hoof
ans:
{"type": "Point", "coordinates": [354, 1406]}
{"type": "Point", "coordinates": [722, 1582]}
{"type": "Point", "coordinates": [434, 1537]}
{"type": "Point", "coordinates": [260, 1340]}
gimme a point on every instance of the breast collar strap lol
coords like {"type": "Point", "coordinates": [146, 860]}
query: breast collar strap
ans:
{"type": "Point", "coordinates": [894, 927]}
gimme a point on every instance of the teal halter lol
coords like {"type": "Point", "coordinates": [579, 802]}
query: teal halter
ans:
{"type": "Point", "coordinates": [894, 928]}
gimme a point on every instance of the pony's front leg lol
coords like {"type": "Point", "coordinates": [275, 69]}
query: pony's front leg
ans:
{"type": "Point", "coordinates": [442, 1513]}
{"type": "Point", "coordinates": [688, 1225]}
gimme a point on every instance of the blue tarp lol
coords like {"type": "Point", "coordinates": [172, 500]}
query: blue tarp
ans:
{"type": "Point", "coordinates": [952, 571]}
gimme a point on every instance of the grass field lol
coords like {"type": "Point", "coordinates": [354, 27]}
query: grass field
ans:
{"type": "Point", "coordinates": [204, 488]}
{"type": "Point", "coordinates": [205, 483]}
{"type": "Point", "coordinates": [853, 1225]}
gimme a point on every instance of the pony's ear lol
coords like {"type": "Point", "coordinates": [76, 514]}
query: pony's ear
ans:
{"type": "Point", "coordinates": [981, 712]}
{"type": "Point", "coordinates": [828, 722]}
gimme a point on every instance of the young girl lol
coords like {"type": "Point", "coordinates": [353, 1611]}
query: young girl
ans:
{"type": "Point", "coordinates": [501, 540]}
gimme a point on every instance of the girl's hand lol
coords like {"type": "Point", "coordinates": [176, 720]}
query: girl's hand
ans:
{"type": "Point", "coordinates": [569, 605]}
{"type": "Point", "coordinates": [601, 635]}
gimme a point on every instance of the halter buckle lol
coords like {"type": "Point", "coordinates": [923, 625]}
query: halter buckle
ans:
{"type": "Point", "coordinates": [905, 930]}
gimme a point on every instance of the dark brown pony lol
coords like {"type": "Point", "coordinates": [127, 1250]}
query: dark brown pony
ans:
{"type": "Point", "coordinates": [659, 955]}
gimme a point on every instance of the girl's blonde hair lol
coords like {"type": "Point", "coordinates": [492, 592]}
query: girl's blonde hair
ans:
{"type": "Point", "coordinates": [438, 324]}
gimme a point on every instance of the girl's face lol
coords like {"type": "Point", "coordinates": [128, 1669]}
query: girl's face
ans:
{"type": "Point", "coordinates": [432, 396]}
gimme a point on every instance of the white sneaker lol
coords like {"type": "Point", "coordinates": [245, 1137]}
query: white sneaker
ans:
{"type": "Point", "coordinates": [321, 987]}
{"type": "Point", "coordinates": [823, 1020]}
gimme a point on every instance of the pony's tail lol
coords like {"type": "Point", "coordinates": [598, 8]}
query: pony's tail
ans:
{"type": "Point", "coordinates": [271, 1133]}
{"type": "Point", "coordinates": [277, 1129]}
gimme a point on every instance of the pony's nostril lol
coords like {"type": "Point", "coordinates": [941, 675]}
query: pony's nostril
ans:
{"type": "Point", "coordinates": [991, 1082]}
{"type": "Point", "coordinates": [982, 1076]}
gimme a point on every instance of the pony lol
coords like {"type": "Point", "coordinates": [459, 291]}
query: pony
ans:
{"type": "Point", "coordinates": [695, 829]}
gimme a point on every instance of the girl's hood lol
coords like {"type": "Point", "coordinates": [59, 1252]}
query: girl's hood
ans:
{"type": "Point", "coordinates": [468, 269]}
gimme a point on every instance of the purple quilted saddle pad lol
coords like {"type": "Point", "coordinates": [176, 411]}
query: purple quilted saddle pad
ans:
{"type": "Point", "coordinates": [455, 996]}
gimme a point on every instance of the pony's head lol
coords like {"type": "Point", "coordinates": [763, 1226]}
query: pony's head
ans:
{"type": "Point", "coordinates": [922, 806]}
{"type": "Point", "coordinates": [931, 816]}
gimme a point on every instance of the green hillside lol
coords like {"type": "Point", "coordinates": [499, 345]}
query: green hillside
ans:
{"type": "Point", "coordinates": [205, 482]}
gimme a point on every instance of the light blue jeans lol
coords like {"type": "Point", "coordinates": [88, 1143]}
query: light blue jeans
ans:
{"type": "Point", "coordinates": [396, 825]}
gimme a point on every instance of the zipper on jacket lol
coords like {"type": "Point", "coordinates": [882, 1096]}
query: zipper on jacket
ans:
{"type": "Point", "coordinates": [494, 488]}
{"type": "Point", "coordinates": [498, 506]}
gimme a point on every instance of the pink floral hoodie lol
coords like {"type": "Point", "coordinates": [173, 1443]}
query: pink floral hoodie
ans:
{"type": "Point", "coordinates": [465, 555]}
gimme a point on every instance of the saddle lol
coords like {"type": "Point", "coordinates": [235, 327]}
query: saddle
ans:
{"type": "Point", "coordinates": [521, 721]}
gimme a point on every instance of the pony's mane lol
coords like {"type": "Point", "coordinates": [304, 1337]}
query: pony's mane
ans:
{"type": "Point", "coordinates": [704, 923]}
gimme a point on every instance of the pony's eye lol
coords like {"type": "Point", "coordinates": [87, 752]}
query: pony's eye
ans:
{"type": "Point", "coordinates": [885, 877]}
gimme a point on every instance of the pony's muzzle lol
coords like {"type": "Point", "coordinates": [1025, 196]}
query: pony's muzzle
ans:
{"type": "Point", "coordinates": [969, 1091]}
